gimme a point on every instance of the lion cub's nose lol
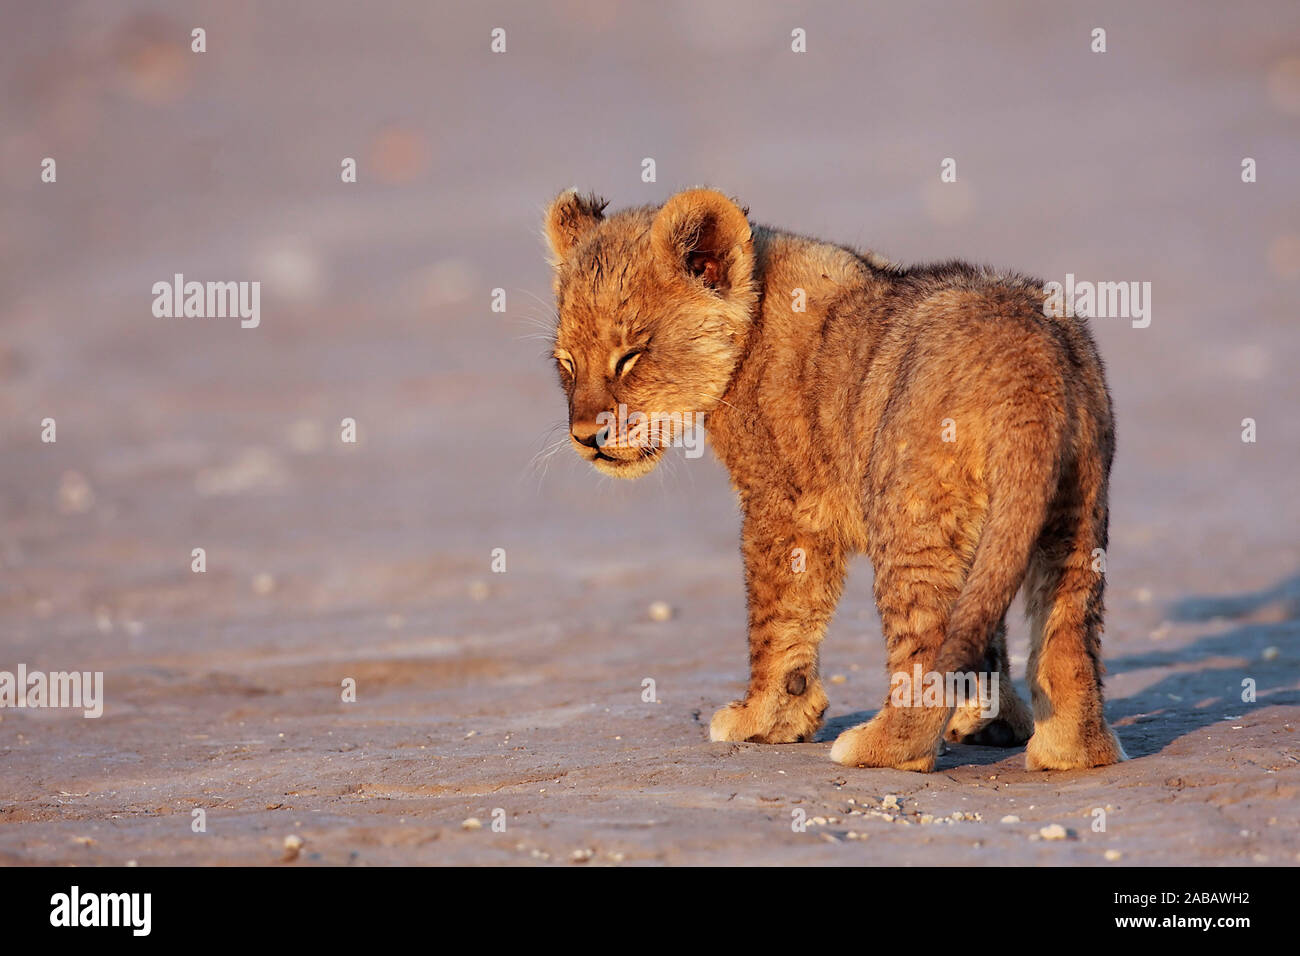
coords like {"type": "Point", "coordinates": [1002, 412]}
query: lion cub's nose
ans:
{"type": "Point", "coordinates": [587, 433]}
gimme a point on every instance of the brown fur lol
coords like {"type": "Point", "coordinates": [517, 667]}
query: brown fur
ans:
{"type": "Point", "coordinates": [831, 422]}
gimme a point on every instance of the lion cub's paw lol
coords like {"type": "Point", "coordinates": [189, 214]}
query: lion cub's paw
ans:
{"type": "Point", "coordinates": [1057, 745]}
{"type": "Point", "coordinates": [733, 722]}
{"type": "Point", "coordinates": [1010, 728]}
{"type": "Point", "coordinates": [785, 719]}
{"type": "Point", "coordinates": [874, 744]}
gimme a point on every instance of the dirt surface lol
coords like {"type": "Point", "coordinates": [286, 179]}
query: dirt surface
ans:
{"type": "Point", "coordinates": [519, 695]}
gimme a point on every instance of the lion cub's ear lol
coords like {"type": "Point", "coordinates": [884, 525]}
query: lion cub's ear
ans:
{"type": "Point", "coordinates": [707, 235]}
{"type": "Point", "coordinates": [570, 217]}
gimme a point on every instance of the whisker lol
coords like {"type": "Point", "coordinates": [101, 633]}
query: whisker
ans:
{"type": "Point", "coordinates": [550, 306]}
{"type": "Point", "coordinates": [536, 324]}
{"type": "Point", "coordinates": [547, 449]}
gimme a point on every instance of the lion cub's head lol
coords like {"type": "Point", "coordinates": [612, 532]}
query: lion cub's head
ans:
{"type": "Point", "coordinates": [654, 306]}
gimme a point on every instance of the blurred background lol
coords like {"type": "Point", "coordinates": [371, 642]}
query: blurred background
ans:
{"type": "Point", "coordinates": [372, 560]}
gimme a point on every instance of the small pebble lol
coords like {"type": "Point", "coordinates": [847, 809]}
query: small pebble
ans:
{"type": "Point", "coordinates": [1011, 818]}
{"type": "Point", "coordinates": [1113, 855]}
{"type": "Point", "coordinates": [660, 611]}
{"type": "Point", "coordinates": [292, 847]}
{"type": "Point", "coordinates": [473, 823]}
{"type": "Point", "coordinates": [1054, 831]}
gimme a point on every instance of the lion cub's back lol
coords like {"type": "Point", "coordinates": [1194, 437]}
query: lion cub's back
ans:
{"type": "Point", "coordinates": [973, 355]}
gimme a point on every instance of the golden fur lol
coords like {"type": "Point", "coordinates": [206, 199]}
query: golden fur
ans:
{"type": "Point", "coordinates": [932, 418]}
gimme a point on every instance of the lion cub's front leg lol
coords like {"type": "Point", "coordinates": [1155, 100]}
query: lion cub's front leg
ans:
{"type": "Point", "coordinates": [793, 579]}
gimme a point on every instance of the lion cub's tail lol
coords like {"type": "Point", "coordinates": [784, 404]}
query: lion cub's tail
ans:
{"type": "Point", "coordinates": [1023, 471]}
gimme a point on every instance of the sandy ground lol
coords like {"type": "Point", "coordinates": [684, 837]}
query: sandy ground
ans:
{"type": "Point", "coordinates": [519, 695]}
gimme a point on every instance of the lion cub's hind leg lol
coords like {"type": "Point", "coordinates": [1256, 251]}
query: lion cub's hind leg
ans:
{"type": "Point", "coordinates": [919, 574]}
{"type": "Point", "coordinates": [1064, 596]}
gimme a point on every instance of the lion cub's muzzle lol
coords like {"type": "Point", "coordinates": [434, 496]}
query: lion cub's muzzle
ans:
{"type": "Point", "coordinates": [594, 443]}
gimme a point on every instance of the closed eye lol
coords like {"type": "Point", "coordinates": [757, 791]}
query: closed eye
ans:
{"type": "Point", "coordinates": [624, 364]}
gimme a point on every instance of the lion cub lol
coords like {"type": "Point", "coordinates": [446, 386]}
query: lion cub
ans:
{"type": "Point", "coordinates": [933, 418]}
